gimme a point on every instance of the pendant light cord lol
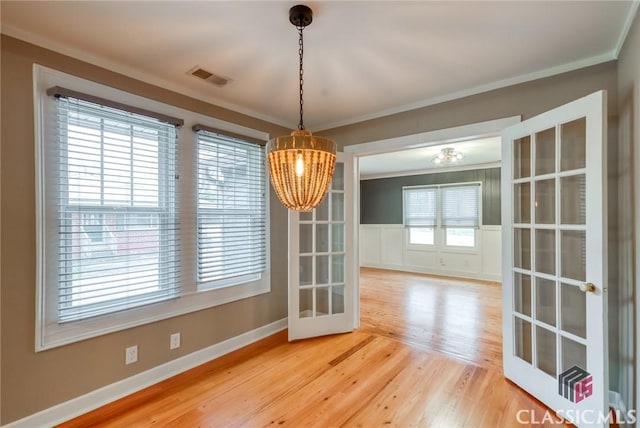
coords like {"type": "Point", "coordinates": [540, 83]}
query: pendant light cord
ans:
{"type": "Point", "coordinates": [300, 53]}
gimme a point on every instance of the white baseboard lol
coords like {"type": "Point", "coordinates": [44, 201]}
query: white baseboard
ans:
{"type": "Point", "coordinates": [107, 394]}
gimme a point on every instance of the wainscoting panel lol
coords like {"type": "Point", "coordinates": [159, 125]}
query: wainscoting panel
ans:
{"type": "Point", "coordinates": [384, 246]}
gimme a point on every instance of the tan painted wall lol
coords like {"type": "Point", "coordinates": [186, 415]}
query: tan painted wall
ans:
{"type": "Point", "coordinates": [629, 197]}
{"type": "Point", "coordinates": [527, 99]}
{"type": "Point", "coordinates": [32, 382]}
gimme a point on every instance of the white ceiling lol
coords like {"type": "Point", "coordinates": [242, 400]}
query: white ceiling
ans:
{"type": "Point", "coordinates": [485, 151]}
{"type": "Point", "coordinates": [362, 59]}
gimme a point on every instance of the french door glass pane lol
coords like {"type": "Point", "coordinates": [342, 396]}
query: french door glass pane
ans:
{"type": "Point", "coordinates": [573, 310]}
{"type": "Point", "coordinates": [523, 339]}
{"type": "Point", "coordinates": [306, 302]}
{"type": "Point", "coordinates": [322, 238]}
{"type": "Point", "coordinates": [306, 238]}
{"type": "Point", "coordinates": [337, 182]}
{"type": "Point", "coordinates": [573, 254]}
{"type": "Point", "coordinates": [545, 152]}
{"type": "Point", "coordinates": [306, 270]}
{"type": "Point", "coordinates": [546, 350]}
{"type": "Point", "coordinates": [522, 201]}
{"type": "Point", "coordinates": [522, 248]}
{"type": "Point", "coordinates": [322, 301]}
{"type": "Point", "coordinates": [573, 354]}
{"type": "Point", "coordinates": [572, 199]}
{"type": "Point", "coordinates": [546, 301]}
{"type": "Point", "coordinates": [337, 299]}
{"type": "Point", "coordinates": [573, 149]}
{"type": "Point", "coordinates": [522, 293]}
{"type": "Point", "coordinates": [337, 237]}
{"type": "Point", "coordinates": [337, 269]}
{"type": "Point", "coordinates": [545, 202]}
{"type": "Point", "coordinates": [522, 157]}
{"type": "Point", "coordinates": [322, 269]}
{"type": "Point", "coordinates": [546, 251]}
{"type": "Point", "coordinates": [337, 206]}
{"type": "Point", "coordinates": [322, 210]}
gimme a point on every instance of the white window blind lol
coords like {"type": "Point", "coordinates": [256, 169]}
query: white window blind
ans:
{"type": "Point", "coordinates": [420, 206]}
{"type": "Point", "coordinates": [460, 206]}
{"type": "Point", "coordinates": [111, 215]}
{"type": "Point", "coordinates": [231, 210]}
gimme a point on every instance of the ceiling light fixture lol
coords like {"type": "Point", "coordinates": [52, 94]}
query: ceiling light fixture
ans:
{"type": "Point", "coordinates": [301, 165]}
{"type": "Point", "coordinates": [448, 155]}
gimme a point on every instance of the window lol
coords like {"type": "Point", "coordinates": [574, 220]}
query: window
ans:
{"type": "Point", "coordinates": [111, 208]}
{"type": "Point", "coordinates": [460, 214]}
{"type": "Point", "coordinates": [420, 214]}
{"type": "Point", "coordinates": [231, 210]}
{"type": "Point", "coordinates": [455, 208]}
{"type": "Point", "coordinates": [138, 218]}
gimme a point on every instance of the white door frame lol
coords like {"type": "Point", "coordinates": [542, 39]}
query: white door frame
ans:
{"type": "Point", "coordinates": [424, 139]}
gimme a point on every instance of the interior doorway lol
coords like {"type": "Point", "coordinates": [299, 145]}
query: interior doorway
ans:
{"type": "Point", "coordinates": [430, 303]}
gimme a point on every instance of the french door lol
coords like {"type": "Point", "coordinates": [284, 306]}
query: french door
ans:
{"type": "Point", "coordinates": [555, 258]}
{"type": "Point", "coordinates": [322, 273]}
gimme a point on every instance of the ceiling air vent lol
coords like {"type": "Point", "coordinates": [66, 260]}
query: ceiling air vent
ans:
{"type": "Point", "coordinates": [209, 76]}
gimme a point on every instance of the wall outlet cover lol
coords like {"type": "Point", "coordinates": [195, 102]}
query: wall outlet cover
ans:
{"type": "Point", "coordinates": [131, 354]}
{"type": "Point", "coordinates": [174, 341]}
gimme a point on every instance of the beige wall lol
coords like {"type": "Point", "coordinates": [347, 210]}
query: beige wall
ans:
{"type": "Point", "coordinates": [33, 382]}
{"type": "Point", "coordinates": [527, 99]}
{"type": "Point", "coordinates": [629, 196]}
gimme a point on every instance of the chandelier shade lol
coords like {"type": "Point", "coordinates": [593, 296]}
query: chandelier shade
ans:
{"type": "Point", "coordinates": [301, 165]}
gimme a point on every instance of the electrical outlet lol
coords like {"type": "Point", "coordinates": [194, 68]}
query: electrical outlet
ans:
{"type": "Point", "coordinates": [174, 341]}
{"type": "Point", "coordinates": [131, 354]}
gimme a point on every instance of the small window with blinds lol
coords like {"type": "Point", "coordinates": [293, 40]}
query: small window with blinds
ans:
{"type": "Point", "coordinates": [231, 210]}
{"type": "Point", "coordinates": [110, 209]}
{"type": "Point", "coordinates": [420, 216]}
{"type": "Point", "coordinates": [460, 214]}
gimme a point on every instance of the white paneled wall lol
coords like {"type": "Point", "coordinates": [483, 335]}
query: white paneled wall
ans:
{"type": "Point", "coordinates": [383, 246]}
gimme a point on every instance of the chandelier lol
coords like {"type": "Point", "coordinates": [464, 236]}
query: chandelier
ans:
{"type": "Point", "coordinates": [301, 164]}
{"type": "Point", "coordinates": [448, 155]}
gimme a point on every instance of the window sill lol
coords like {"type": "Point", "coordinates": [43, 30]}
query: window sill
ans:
{"type": "Point", "coordinates": [53, 335]}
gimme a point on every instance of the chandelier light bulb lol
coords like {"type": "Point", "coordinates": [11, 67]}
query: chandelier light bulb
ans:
{"type": "Point", "coordinates": [447, 155]}
{"type": "Point", "coordinates": [299, 165]}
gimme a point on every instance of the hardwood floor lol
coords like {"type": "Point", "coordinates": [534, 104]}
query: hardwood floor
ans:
{"type": "Point", "coordinates": [436, 313]}
{"type": "Point", "coordinates": [427, 355]}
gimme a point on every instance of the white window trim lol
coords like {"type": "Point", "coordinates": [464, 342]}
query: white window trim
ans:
{"type": "Point", "coordinates": [50, 334]}
{"type": "Point", "coordinates": [440, 243]}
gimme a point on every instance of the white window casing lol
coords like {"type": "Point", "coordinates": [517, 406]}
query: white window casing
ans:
{"type": "Point", "coordinates": [444, 215]}
{"type": "Point", "coordinates": [116, 212]}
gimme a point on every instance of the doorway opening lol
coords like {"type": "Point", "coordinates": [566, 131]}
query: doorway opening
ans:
{"type": "Point", "coordinates": [434, 287]}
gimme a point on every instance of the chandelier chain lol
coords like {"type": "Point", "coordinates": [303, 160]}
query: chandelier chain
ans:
{"type": "Point", "coordinates": [301, 72]}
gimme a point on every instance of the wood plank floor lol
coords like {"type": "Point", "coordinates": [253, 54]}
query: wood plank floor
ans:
{"type": "Point", "coordinates": [427, 355]}
{"type": "Point", "coordinates": [453, 316]}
